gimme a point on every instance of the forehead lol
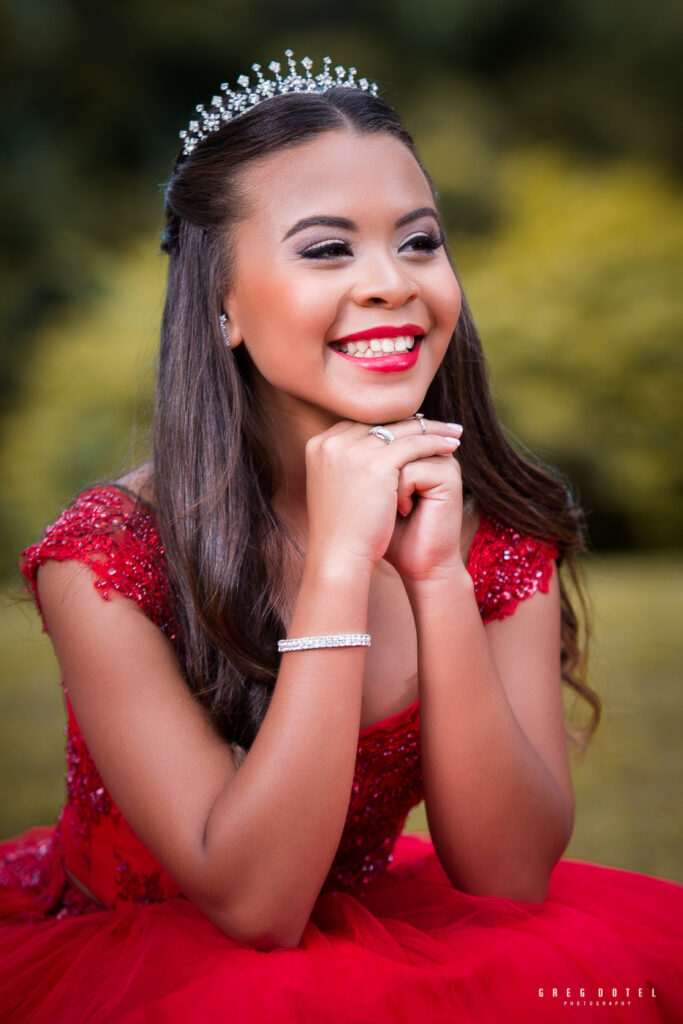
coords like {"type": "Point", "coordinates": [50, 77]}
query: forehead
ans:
{"type": "Point", "coordinates": [336, 173]}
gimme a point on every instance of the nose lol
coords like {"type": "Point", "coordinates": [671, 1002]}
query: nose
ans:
{"type": "Point", "coordinates": [384, 280]}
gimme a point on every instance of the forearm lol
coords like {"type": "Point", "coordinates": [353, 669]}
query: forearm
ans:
{"type": "Point", "coordinates": [272, 833]}
{"type": "Point", "coordinates": [497, 815]}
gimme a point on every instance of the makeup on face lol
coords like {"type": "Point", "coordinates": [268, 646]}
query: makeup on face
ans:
{"type": "Point", "coordinates": [344, 294]}
{"type": "Point", "coordinates": [382, 349]}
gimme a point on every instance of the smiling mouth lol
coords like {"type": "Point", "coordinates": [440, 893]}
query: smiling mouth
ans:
{"type": "Point", "coordinates": [384, 355]}
{"type": "Point", "coordinates": [377, 347]}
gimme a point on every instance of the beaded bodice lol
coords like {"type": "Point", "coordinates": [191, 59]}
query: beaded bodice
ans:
{"type": "Point", "coordinates": [117, 537]}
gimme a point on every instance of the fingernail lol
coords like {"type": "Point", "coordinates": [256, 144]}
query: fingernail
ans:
{"type": "Point", "coordinates": [455, 427]}
{"type": "Point", "coordinates": [454, 441]}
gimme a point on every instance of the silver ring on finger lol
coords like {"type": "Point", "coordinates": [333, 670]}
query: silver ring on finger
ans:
{"type": "Point", "coordinates": [420, 417]}
{"type": "Point", "coordinates": [383, 433]}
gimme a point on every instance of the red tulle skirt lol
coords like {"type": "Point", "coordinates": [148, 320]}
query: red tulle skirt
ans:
{"type": "Point", "coordinates": [606, 945]}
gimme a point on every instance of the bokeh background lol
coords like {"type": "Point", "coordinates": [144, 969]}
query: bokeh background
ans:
{"type": "Point", "coordinates": [550, 133]}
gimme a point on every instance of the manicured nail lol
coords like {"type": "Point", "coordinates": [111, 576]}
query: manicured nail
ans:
{"type": "Point", "coordinates": [455, 427]}
{"type": "Point", "coordinates": [454, 441]}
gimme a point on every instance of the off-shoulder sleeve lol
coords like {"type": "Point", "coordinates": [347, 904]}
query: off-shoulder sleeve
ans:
{"type": "Point", "coordinates": [507, 567]}
{"type": "Point", "coordinates": [117, 538]}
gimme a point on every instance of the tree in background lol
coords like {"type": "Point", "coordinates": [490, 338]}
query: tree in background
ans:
{"type": "Point", "coordinates": [550, 132]}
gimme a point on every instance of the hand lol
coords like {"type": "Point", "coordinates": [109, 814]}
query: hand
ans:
{"type": "Point", "coordinates": [356, 484]}
{"type": "Point", "coordinates": [425, 543]}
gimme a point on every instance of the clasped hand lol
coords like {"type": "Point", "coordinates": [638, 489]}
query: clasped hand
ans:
{"type": "Point", "coordinates": [369, 499]}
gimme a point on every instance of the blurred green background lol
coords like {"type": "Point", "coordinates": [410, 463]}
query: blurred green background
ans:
{"type": "Point", "coordinates": [550, 133]}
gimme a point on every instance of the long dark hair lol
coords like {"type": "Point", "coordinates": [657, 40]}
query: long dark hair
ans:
{"type": "Point", "coordinates": [214, 477]}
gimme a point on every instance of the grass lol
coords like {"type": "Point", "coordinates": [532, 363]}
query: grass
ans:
{"type": "Point", "coordinates": [628, 783]}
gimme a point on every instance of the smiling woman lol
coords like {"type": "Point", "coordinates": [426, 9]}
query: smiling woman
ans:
{"type": "Point", "coordinates": [315, 616]}
{"type": "Point", "coordinates": [300, 290]}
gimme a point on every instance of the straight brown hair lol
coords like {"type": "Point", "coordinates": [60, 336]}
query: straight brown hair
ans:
{"type": "Point", "coordinates": [214, 476]}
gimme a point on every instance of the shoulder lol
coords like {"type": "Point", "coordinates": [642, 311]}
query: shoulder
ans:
{"type": "Point", "coordinates": [139, 483]}
{"type": "Point", "coordinates": [114, 533]}
{"type": "Point", "coordinates": [507, 567]}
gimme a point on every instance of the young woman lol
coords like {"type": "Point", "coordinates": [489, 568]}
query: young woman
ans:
{"type": "Point", "coordinates": [333, 590]}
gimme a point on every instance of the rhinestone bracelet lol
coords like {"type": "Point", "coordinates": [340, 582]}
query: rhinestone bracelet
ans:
{"type": "Point", "coordinates": [307, 643]}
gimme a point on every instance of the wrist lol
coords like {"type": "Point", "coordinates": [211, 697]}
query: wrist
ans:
{"type": "Point", "coordinates": [337, 568]}
{"type": "Point", "coordinates": [444, 583]}
{"type": "Point", "coordinates": [333, 598]}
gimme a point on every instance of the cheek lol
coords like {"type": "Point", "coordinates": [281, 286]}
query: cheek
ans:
{"type": "Point", "coordinates": [281, 304]}
{"type": "Point", "coordinates": [453, 300]}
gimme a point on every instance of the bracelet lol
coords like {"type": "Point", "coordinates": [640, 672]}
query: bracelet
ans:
{"type": "Point", "coordinates": [307, 643]}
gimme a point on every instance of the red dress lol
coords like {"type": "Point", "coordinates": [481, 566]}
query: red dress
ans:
{"type": "Point", "coordinates": [389, 940]}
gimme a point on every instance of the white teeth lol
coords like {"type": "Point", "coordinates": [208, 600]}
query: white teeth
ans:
{"type": "Point", "coordinates": [377, 346]}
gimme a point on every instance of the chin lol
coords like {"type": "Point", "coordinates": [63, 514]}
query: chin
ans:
{"type": "Point", "coordinates": [386, 412]}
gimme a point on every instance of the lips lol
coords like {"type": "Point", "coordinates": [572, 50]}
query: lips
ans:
{"type": "Point", "coordinates": [385, 349]}
{"type": "Point", "coordinates": [384, 331]}
{"type": "Point", "coordinates": [385, 362]}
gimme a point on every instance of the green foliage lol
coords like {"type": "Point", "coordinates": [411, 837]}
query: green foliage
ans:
{"type": "Point", "coordinates": [628, 783]}
{"type": "Point", "coordinates": [89, 382]}
{"type": "Point", "coordinates": [579, 304]}
{"type": "Point", "coordinates": [31, 722]}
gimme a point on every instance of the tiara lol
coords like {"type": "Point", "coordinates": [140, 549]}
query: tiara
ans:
{"type": "Point", "coordinates": [231, 104]}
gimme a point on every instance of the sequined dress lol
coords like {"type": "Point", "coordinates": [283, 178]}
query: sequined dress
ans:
{"type": "Point", "coordinates": [389, 939]}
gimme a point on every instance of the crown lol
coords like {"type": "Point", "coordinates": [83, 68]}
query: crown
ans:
{"type": "Point", "coordinates": [231, 104]}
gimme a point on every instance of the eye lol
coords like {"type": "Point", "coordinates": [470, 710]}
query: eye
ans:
{"type": "Point", "coordinates": [331, 250]}
{"type": "Point", "coordinates": [424, 241]}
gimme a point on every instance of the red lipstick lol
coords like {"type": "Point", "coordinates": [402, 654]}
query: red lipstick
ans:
{"type": "Point", "coordinates": [383, 332]}
{"type": "Point", "coordinates": [392, 362]}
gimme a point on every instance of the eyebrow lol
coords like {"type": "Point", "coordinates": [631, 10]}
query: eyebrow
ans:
{"type": "Point", "coordinates": [349, 225]}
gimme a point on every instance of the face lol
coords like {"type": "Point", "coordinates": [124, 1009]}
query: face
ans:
{"type": "Point", "coordinates": [341, 240]}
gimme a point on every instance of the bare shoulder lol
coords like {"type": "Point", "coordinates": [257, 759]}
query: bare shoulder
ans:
{"type": "Point", "coordinates": [139, 481]}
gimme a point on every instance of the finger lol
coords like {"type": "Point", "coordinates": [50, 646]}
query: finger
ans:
{"type": "Point", "coordinates": [422, 476]}
{"type": "Point", "coordinates": [414, 446]}
{"type": "Point", "coordinates": [426, 426]}
{"type": "Point", "coordinates": [417, 427]}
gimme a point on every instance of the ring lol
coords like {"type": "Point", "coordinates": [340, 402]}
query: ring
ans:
{"type": "Point", "coordinates": [383, 433]}
{"type": "Point", "coordinates": [419, 416]}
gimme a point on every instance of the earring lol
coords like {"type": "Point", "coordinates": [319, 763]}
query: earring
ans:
{"type": "Point", "coordinates": [224, 332]}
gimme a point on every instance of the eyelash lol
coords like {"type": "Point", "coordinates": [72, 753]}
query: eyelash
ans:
{"type": "Point", "coordinates": [327, 250]}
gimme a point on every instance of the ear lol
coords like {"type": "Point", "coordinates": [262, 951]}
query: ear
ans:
{"type": "Point", "coordinates": [232, 327]}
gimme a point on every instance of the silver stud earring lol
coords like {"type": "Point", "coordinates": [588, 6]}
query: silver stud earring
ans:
{"type": "Point", "coordinates": [224, 330]}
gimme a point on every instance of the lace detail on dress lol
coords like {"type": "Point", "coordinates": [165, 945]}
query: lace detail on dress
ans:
{"type": "Point", "coordinates": [137, 886]}
{"type": "Point", "coordinates": [507, 568]}
{"type": "Point", "coordinates": [27, 870]}
{"type": "Point", "coordinates": [85, 793]}
{"type": "Point", "coordinates": [117, 537]}
{"type": "Point", "coordinates": [387, 782]}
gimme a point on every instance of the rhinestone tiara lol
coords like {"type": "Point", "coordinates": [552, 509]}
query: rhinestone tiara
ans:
{"type": "Point", "coordinates": [231, 104]}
